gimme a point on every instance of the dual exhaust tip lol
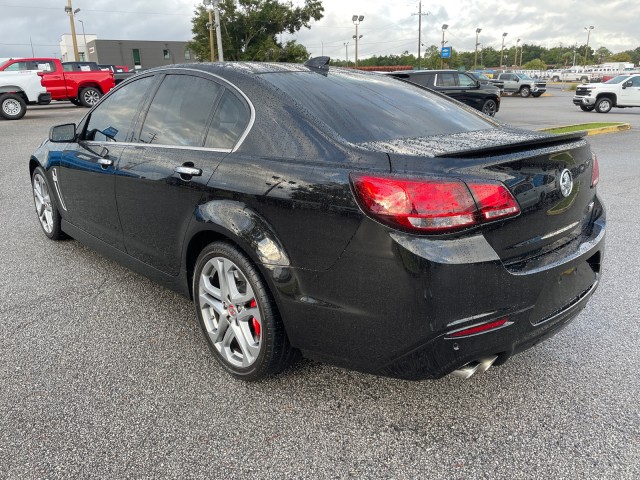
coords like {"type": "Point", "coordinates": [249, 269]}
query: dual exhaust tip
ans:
{"type": "Point", "coordinates": [481, 365]}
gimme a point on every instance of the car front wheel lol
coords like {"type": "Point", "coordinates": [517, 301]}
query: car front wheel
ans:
{"type": "Point", "coordinates": [12, 106]}
{"type": "Point", "coordinates": [89, 96]}
{"type": "Point", "coordinates": [237, 315]}
{"type": "Point", "coordinates": [587, 108]}
{"type": "Point", "coordinates": [524, 92]}
{"type": "Point", "coordinates": [46, 208]}
{"type": "Point", "coordinates": [490, 107]}
{"type": "Point", "coordinates": [604, 105]}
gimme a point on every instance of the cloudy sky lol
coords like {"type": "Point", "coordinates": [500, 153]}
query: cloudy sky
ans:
{"type": "Point", "coordinates": [389, 27]}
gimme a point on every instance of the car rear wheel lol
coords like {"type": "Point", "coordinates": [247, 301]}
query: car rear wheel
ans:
{"type": "Point", "coordinates": [604, 105]}
{"type": "Point", "coordinates": [490, 107]}
{"type": "Point", "coordinates": [89, 96]}
{"type": "Point", "coordinates": [524, 92]}
{"type": "Point", "coordinates": [46, 209]}
{"type": "Point", "coordinates": [587, 108]}
{"type": "Point", "coordinates": [12, 106]}
{"type": "Point", "coordinates": [237, 314]}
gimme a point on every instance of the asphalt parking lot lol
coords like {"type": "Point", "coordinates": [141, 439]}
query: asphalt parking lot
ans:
{"type": "Point", "coordinates": [105, 374]}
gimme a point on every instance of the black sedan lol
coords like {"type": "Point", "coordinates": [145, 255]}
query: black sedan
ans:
{"type": "Point", "coordinates": [347, 216]}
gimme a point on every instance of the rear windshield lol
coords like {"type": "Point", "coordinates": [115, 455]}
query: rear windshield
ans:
{"type": "Point", "coordinates": [370, 108]}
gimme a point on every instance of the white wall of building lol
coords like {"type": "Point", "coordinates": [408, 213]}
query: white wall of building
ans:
{"type": "Point", "coordinates": [66, 47]}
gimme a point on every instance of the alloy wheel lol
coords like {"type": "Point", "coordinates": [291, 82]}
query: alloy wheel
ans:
{"type": "Point", "coordinates": [230, 312]}
{"type": "Point", "coordinates": [42, 200]}
{"type": "Point", "coordinates": [91, 96]}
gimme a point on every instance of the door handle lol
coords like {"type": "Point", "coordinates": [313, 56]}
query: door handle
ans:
{"type": "Point", "coordinates": [105, 162]}
{"type": "Point", "coordinates": [191, 171]}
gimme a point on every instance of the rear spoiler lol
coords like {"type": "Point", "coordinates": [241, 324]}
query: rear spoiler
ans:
{"type": "Point", "coordinates": [550, 140]}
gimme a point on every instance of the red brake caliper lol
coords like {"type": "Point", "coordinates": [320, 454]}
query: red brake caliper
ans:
{"type": "Point", "coordinates": [254, 321]}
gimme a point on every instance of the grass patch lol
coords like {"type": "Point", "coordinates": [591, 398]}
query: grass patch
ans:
{"type": "Point", "coordinates": [580, 127]}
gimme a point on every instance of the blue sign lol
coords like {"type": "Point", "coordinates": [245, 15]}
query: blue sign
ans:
{"type": "Point", "coordinates": [446, 52]}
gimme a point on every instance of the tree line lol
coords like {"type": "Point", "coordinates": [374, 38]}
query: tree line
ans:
{"type": "Point", "coordinates": [251, 31]}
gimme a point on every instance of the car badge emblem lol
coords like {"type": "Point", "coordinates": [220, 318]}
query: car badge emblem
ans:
{"type": "Point", "coordinates": [566, 183]}
{"type": "Point", "coordinates": [232, 310]}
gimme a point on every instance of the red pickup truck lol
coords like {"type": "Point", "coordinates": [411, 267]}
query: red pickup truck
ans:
{"type": "Point", "coordinates": [81, 88]}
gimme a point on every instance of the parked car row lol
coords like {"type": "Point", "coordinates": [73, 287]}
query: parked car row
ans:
{"type": "Point", "coordinates": [83, 88]}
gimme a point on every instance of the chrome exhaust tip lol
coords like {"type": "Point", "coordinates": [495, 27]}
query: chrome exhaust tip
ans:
{"type": "Point", "coordinates": [485, 363]}
{"type": "Point", "coordinates": [481, 365]}
{"type": "Point", "coordinates": [467, 370]}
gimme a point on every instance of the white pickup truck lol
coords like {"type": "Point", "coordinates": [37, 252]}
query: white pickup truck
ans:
{"type": "Point", "coordinates": [17, 89]}
{"type": "Point", "coordinates": [622, 91]}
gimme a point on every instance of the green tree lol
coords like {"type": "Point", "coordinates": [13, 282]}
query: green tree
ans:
{"type": "Point", "coordinates": [250, 29]}
{"type": "Point", "coordinates": [621, 57]}
{"type": "Point", "coordinates": [602, 54]}
{"type": "Point", "coordinates": [535, 64]}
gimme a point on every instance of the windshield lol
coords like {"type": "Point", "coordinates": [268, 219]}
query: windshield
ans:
{"type": "Point", "coordinates": [369, 108]}
{"type": "Point", "coordinates": [523, 76]}
{"type": "Point", "coordinates": [618, 79]}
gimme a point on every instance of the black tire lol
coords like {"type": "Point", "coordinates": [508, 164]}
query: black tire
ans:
{"type": "Point", "coordinates": [46, 207]}
{"type": "Point", "coordinates": [555, 79]}
{"type": "Point", "coordinates": [12, 106]}
{"type": "Point", "coordinates": [536, 95]}
{"type": "Point", "coordinates": [490, 107]}
{"type": "Point", "coordinates": [245, 350]}
{"type": "Point", "coordinates": [604, 105]}
{"type": "Point", "coordinates": [584, 79]}
{"type": "Point", "coordinates": [525, 91]}
{"type": "Point", "coordinates": [76, 102]}
{"type": "Point", "coordinates": [587, 108]}
{"type": "Point", "coordinates": [89, 96]}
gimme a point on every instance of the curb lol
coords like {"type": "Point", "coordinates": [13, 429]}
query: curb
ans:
{"type": "Point", "coordinates": [596, 131]}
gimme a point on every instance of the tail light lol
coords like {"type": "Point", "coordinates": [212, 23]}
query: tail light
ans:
{"type": "Point", "coordinates": [432, 205]}
{"type": "Point", "coordinates": [595, 172]}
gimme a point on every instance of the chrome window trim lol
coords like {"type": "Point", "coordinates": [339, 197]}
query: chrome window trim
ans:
{"type": "Point", "coordinates": [157, 145]}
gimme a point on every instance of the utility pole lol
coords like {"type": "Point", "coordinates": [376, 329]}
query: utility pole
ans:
{"type": "Point", "coordinates": [216, 4]}
{"type": "Point", "coordinates": [69, 10]}
{"type": "Point", "coordinates": [515, 56]}
{"type": "Point", "coordinates": [420, 14]}
{"type": "Point", "coordinates": [521, 53]}
{"type": "Point", "coordinates": [346, 53]}
{"type": "Point", "coordinates": [209, 8]}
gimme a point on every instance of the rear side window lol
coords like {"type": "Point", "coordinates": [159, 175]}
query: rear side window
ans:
{"type": "Point", "coordinates": [446, 80]}
{"type": "Point", "coordinates": [113, 119]}
{"type": "Point", "coordinates": [180, 111]}
{"type": "Point", "coordinates": [466, 80]}
{"type": "Point", "coordinates": [229, 122]}
{"type": "Point", "coordinates": [421, 79]}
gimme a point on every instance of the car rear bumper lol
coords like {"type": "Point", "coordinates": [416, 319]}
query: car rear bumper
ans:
{"type": "Point", "coordinates": [398, 317]}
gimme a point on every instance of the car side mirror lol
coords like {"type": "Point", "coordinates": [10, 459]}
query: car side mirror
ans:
{"type": "Point", "coordinates": [477, 83]}
{"type": "Point", "coordinates": [517, 80]}
{"type": "Point", "coordinates": [628, 83]}
{"type": "Point", "coordinates": [63, 133]}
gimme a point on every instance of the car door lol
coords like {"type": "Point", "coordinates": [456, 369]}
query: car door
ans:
{"type": "Point", "coordinates": [467, 91]}
{"type": "Point", "coordinates": [87, 168]}
{"type": "Point", "coordinates": [161, 180]}
{"type": "Point", "coordinates": [510, 82]}
{"type": "Point", "coordinates": [630, 94]}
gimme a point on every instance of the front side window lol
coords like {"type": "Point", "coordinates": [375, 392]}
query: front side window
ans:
{"type": "Point", "coordinates": [229, 122]}
{"type": "Point", "coordinates": [635, 82]}
{"type": "Point", "coordinates": [14, 67]}
{"type": "Point", "coordinates": [179, 113]}
{"type": "Point", "coordinates": [113, 119]}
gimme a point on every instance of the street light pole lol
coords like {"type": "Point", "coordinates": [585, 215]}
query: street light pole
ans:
{"type": "Point", "coordinates": [346, 53]}
{"type": "Point", "coordinates": [356, 19]}
{"type": "Point", "coordinates": [475, 61]}
{"type": "Point", "coordinates": [586, 49]}
{"type": "Point", "coordinates": [515, 56]}
{"type": "Point", "coordinates": [209, 6]}
{"type": "Point", "coordinates": [502, 49]}
{"type": "Point", "coordinates": [521, 53]}
{"type": "Point", "coordinates": [69, 10]}
{"type": "Point", "coordinates": [444, 27]}
{"type": "Point", "coordinates": [420, 14]}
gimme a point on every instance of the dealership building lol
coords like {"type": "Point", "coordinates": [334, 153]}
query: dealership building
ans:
{"type": "Point", "coordinates": [136, 54]}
